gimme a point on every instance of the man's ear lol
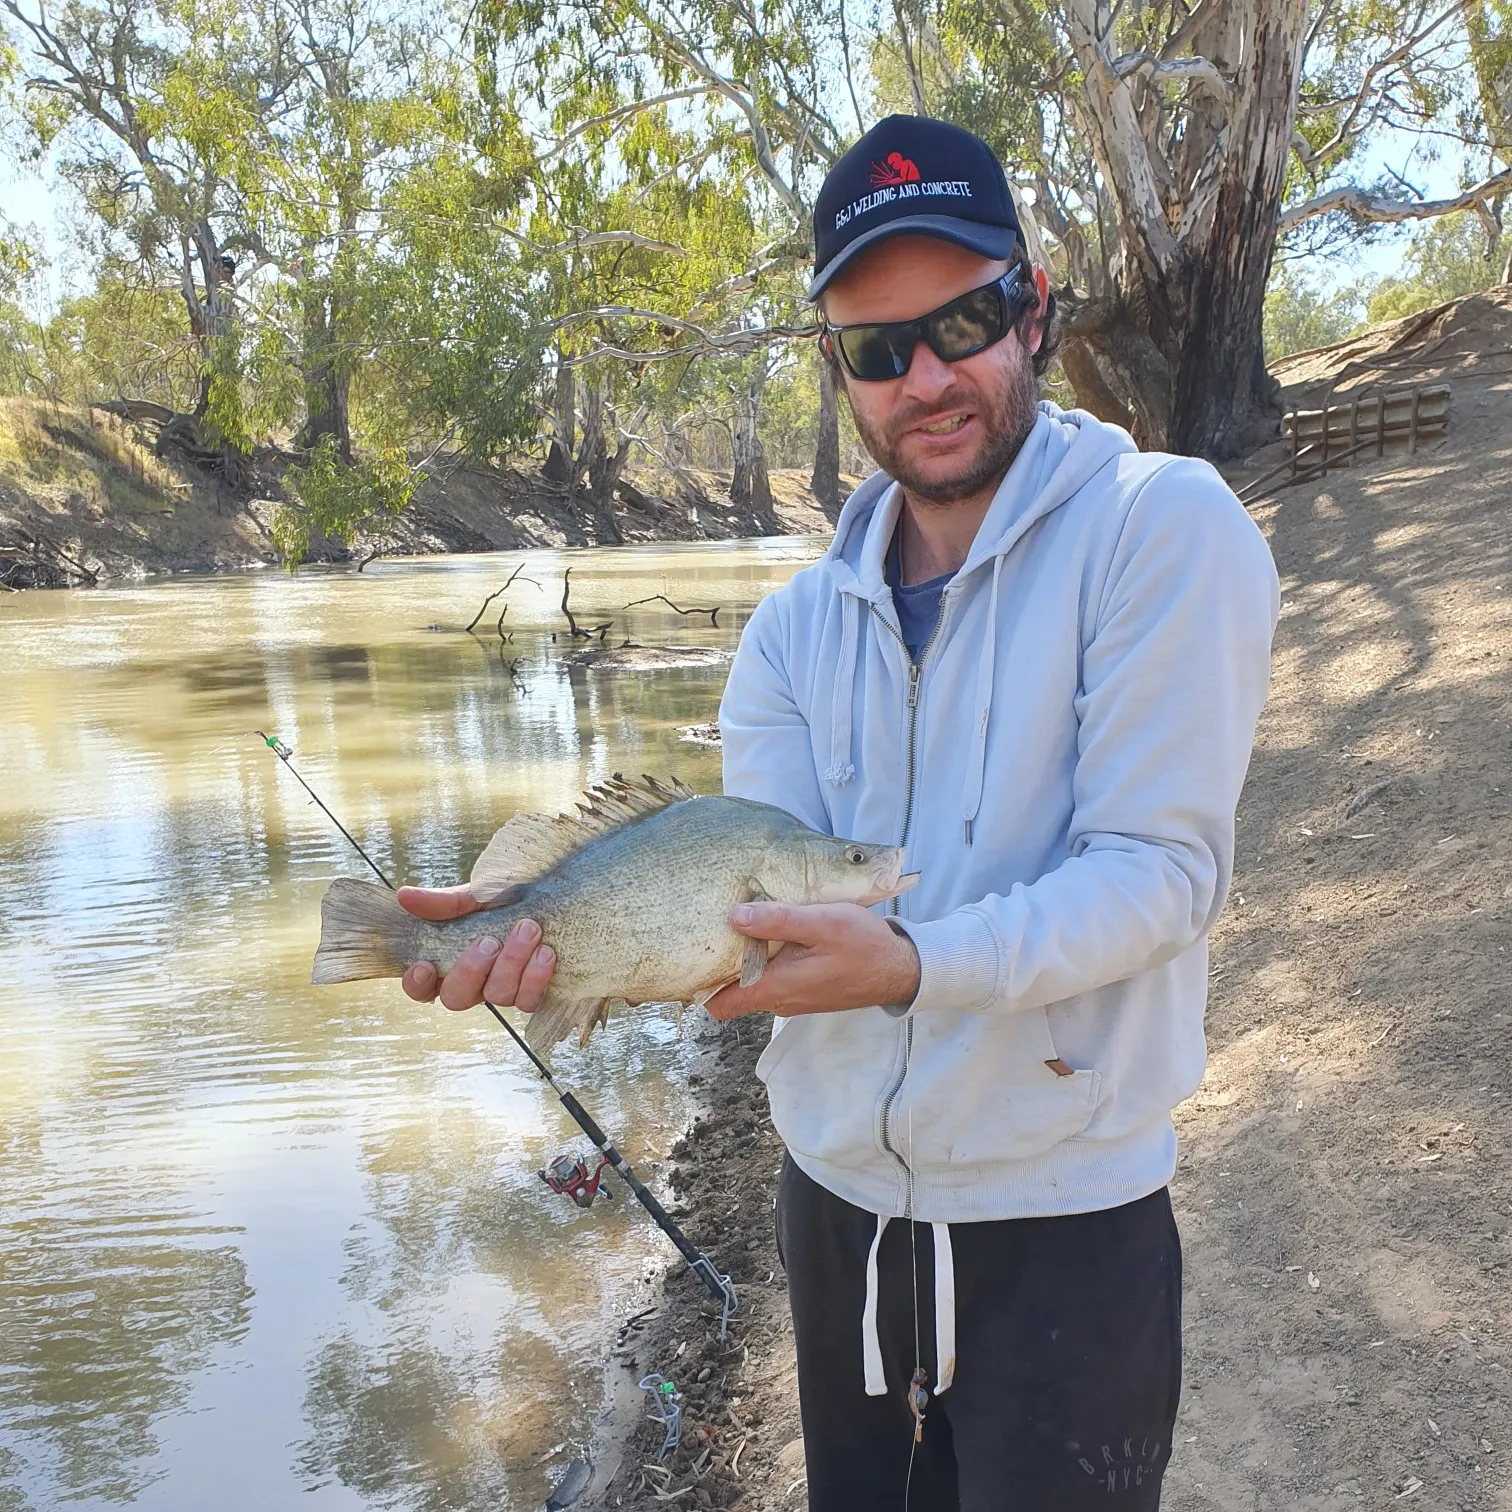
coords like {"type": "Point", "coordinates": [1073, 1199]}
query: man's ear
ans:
{"type": "Point", "coordinates": [1042, 291]}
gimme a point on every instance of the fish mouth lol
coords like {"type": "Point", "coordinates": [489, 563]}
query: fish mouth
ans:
{"type": "Point", "coordinates": [890, 881]}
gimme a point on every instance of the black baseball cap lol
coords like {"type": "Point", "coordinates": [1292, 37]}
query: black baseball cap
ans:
{"type": "Point", "coordinates": [912, 174]}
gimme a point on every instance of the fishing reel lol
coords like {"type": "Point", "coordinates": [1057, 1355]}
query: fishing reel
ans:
{"type": "Point", "coordinates": [569, 1175]}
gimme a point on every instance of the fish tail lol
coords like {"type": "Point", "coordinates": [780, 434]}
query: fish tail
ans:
{"type": "Point", "coordinates": [363, 933]}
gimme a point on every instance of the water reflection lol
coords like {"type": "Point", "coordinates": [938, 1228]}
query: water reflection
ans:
{"type": "Point", "coordinates": [244, 1223]}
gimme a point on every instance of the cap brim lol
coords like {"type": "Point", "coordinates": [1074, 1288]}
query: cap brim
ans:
{"type": "Point", "coordinates": [990, 241]}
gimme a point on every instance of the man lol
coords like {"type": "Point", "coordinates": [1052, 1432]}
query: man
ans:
{"type": "Point", "coordinates": [1034, 656]}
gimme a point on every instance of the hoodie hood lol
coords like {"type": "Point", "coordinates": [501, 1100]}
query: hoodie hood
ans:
{"type": "Point", "coordinates": [1062, 451]}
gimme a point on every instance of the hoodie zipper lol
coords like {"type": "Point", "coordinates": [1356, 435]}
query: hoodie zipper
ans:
{"type": "Point", "coordinates": [915, 677]}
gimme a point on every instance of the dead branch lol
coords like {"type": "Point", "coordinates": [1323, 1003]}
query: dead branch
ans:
{"type": "Point", "coordinates": [46, 554]}
{"type": "Point", "coordinates": [577, 631]}
{"type": "Point", "coordinates": [1363, 205]}
{"type": "Point", "coordinates": [484, 605]}
{"type": "Point", "coordinates": [491, 597]}
{"type": "Point", "coordinates": [663, 599]}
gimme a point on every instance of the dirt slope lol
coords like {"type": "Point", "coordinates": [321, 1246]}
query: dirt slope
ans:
{"type": "Point", "coordinates": [1344, 1188]}
{"type": "Point", "coordinates": [83, 494]}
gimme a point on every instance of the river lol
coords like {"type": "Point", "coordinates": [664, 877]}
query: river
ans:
{"type": "Point", "coordinates": [260, 1240]}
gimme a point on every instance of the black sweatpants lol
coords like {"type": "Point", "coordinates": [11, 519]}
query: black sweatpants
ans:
{"type": "Point", "coordinates": [1068, 1358]}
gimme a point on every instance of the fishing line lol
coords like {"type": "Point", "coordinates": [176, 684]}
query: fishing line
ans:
{"type": "Point", "coordinates": [720, 1286]}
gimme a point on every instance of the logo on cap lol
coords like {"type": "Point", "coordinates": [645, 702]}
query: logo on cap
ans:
{"type": "Point", "coordinates": [894, 169]}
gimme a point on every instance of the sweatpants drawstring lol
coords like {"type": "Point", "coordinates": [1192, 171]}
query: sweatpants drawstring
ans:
{"type": "Point", "coordinates": [945, 1313]}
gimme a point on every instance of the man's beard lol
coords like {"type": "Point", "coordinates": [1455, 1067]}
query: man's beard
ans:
{"type": "Point", "coordinates": [1006, 418]}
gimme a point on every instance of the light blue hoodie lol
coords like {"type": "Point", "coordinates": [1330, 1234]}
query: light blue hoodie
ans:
{"type": "Point", "coordinates": [1063, 767]}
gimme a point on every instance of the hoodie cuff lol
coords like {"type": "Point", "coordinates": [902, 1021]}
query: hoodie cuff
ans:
{"type": "Point", "coordinates": [958, 961]}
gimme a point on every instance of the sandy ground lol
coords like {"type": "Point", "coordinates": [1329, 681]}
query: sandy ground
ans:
{"type": "Point", "coordinates": [1343, 1189]}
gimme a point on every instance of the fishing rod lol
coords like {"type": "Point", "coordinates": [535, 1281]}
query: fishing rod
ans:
{"type": "Point", "coordinates": [574, 1183]}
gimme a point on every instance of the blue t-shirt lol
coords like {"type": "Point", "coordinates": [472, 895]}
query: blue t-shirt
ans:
{"type": "Point", "coordinates": [918, 604]}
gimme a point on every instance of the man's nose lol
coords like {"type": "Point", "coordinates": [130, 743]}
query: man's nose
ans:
{"type": "Point", "coordinates": [927, 376]}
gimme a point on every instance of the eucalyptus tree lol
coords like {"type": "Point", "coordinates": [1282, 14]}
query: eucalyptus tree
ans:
{"type": "Point", "coordinates": [699, 134]}
{"type": "Point", "coordinates": [370, 101]}
{"type": "Point", "coordinates": [1166, 147]}
{"type": "Point", "coordinates": [153, 108]}
{"type": "Point", "coordinates": [1488, 24]}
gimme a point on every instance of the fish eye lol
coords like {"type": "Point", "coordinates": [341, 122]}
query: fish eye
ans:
{"type": "Point", "coordinates": [854, 854]}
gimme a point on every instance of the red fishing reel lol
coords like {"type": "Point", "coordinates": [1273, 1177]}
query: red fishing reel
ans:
{"type": "Point", "coordinates": [568, 1174]}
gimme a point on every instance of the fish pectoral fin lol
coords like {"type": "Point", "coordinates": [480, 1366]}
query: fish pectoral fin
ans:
{"type": "Point", "coordinates": [753, 961]}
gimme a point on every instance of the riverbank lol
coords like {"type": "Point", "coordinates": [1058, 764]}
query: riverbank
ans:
{"type": "Point", "coordinates": [740, 1429]}
{"type": "Point", "coordinates": [84, 498]}
{"type": "Point", "coordinates": [1345, 1180]}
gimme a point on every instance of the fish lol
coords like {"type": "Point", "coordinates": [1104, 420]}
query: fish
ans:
{"type": "Point", "coordinates": [632, 892]}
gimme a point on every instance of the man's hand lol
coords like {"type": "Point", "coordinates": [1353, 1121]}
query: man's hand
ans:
{"type": "Point", "coordinates": [834, 955]}
{"type": "Point", "coordinates": [512, 972]}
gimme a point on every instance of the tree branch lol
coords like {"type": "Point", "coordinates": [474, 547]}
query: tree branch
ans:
{"type": "Point", "coordinates": [634, 107]}
{"type": "Point", "coordinates": [1200, 73]}
{"type": "Point", "coordinates": [1366, 206]}
{"type": "Point", "coordinates": [1346, 130]}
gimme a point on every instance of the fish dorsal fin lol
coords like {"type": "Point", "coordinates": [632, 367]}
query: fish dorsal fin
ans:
{"type": "Point", "coordinates": [531, 845]}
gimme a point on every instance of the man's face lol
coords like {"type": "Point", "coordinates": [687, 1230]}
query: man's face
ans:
{"type": "Point", "coordinates": [944, 430]}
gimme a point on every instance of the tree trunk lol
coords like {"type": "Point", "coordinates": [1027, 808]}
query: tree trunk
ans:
{"type": "Point", "coordinates": [1218, 411]}
{"type": "Point", "coordinates": [327, 379]}
{"type": "Point", "coordinates": [604, 473]}
{"type": "Point", "coordinates": [751, 488]}
{"type": "Point", "coordinates": [602, 470]}
{"type": "Point", "coordinates": [1491, 58]}
{"type": "Point", "coordinates": [208, 303]}
{"type": "Point", "coordinates": [1179, 338]}
{"type": "Point", "coordinates": [563, 423]}
{"type": "Point", "coordinates": [825, 482]}
{"type": "Point", "coordinates": [1093, 392]}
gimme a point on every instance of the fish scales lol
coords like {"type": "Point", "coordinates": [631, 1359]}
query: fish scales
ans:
{"type": "Point", "coordinates": [632, 894]}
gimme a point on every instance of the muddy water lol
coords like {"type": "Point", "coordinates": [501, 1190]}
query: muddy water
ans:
{"type": "Point", "coordinates": [260, 1241]}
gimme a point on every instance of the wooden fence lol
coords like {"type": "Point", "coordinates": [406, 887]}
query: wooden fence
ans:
{"type": "Point", "coordinates": [1320, 439]}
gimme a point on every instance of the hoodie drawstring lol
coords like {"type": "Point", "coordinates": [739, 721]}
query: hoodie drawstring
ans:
{"type": "Point", "coordinates": [971, 796]}
{"type": "Point", "coordinates": [841, 768]}
{"type": "Point", "coordinates": [945, 1313]}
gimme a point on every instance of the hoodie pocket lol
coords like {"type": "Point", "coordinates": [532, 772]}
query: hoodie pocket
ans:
{"type": "Point", "coordinates": [979, 1090]}
{"type": "Point", "coordinates": [824, 1074]}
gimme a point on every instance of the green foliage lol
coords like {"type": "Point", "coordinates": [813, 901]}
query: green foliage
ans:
{"type": "Point", "coordinates": [1301, 313]}
{"type": "Point", "coordinates": [421, 212]}
{"type": "Point", "coordinates": [1445, 260]}
{"type": "Point", "coordinates": [336, 500]}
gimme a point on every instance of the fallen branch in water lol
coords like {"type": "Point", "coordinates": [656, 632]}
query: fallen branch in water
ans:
{"type": "Point", "coordinates": [577, 631]}
{"type": "Point", "coordinates": [491, 597]}
{"type": "Point", "coordinates": [479, 615]}
{"type": "Point", "coordinates": [662, 598]}
{"type": "Point", "coordinates": [45, 557]}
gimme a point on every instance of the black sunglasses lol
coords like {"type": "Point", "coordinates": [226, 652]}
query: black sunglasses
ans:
{"type": "Point", "coordinates": [968, 324]}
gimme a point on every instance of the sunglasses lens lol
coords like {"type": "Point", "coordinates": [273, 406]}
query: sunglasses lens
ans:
{"type": "Point", "coordinates": [873, 353]}
{"type": "Point", "coordinates": [959, 329]}
{"type": "Point", "coordinates": [968, 325]}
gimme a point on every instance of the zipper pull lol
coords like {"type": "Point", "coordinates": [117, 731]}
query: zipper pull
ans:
{"type": "Point", "coordinates": [913, 685]}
